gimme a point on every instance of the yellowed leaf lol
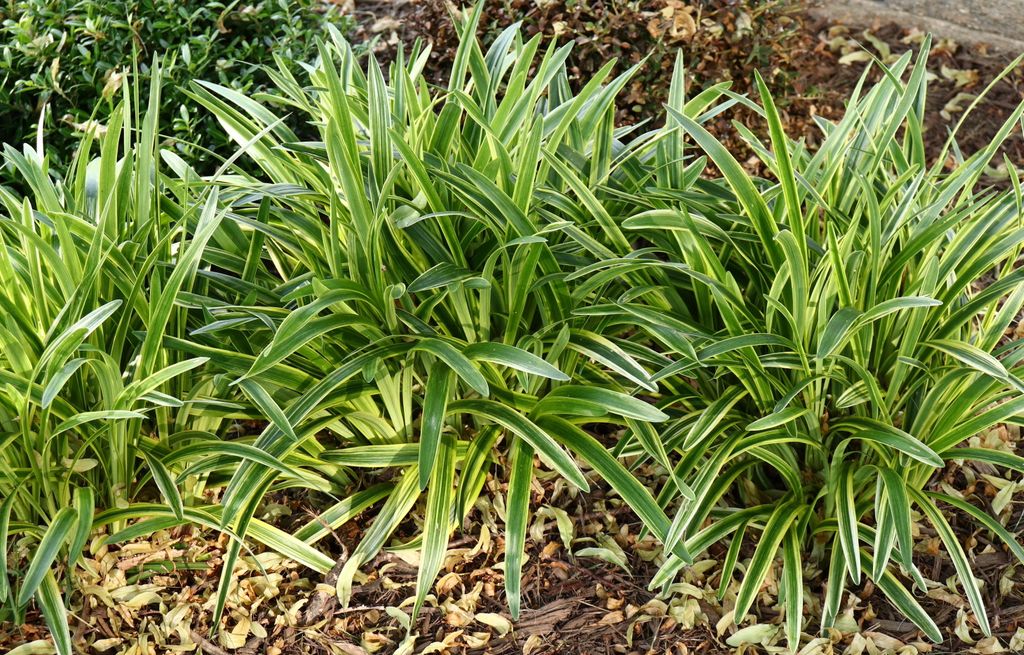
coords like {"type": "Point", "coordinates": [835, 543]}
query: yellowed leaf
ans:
{"type": "Point", "coordinates": [373, 642]}
{"type": "Point", "coordinates": [884, 641]}
{"type": "Point", "coordinates": [611, 618]}
{"type": "Point", "coordinates": [724, 623]}
{"type": "Point", "coordinates": [533, 642]}
{"type": "Point", "coordinates": [447, 583]}
{"type": "Point", "coordinates": [442, 646]}
{"type": "Point", "coordinates": [1017, 640]}
{"type": "Point", "coordinates": [477, 639]}
{"type": "Point", "coordinates": [752, 634]}
{"type": "Point", "coordinates": [960, 76]}
{"type": "Point", "coordinates": [500, 624]}
{"type": "Point", "coordinates": [946, 596]}
{"type": "Point", "coordinates": [956, 105]}
{"type": "Point", "coordinates": [854, 57]}
{"type": "Point", "coordinates": [142, 599]}
{"type": "Point", "coordinates": [102, 645]}
{"type": "Point", "coordinates": [230, 640]}
{"type": "Point", "coordinates": [988, 646]}
{"type": "Point", "coordinates": [385, 24]}
{"type": "Point", "coordinates": [961, 629]}
{"type": "Point", "coordinates": [37, 647]}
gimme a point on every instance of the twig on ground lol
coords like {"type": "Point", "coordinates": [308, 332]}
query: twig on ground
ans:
{"type": "Point", "coordinates": [206, 645]}
{"type": "Point", "coordinates": [322, 602]}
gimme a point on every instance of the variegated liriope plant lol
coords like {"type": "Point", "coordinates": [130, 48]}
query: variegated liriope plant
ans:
{"type": "Point", "coordinates": [487, 267]}
{"type": "Point", "coordinates": [484, 268]}
{"type": "Point", "coordinates": [93, 271]}
{"type": "Point", "coordinates": [406, 289]}
{"type": "Point", "coordinates": [105, 424]}
{"type": "Point", "coordinates": [839, 349]}
{"type": "Point", "coordinates": [454, 281]}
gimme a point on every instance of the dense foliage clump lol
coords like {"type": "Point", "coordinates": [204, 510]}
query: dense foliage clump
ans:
{"type": "Point", "coordinates": [493, 278]}
{"type": "Point", "coordinates": [65, 60]}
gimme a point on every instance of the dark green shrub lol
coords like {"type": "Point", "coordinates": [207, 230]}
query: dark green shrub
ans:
{"type": "Point", "coordinates": [70, 57]}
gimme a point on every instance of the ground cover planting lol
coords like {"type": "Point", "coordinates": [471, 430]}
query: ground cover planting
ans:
{"type": "Point", "coordinates": [405, 301]}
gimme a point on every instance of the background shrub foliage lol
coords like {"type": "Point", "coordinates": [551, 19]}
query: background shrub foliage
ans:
{"type": "Point", "coordinates": [448, 282]}
{"type": "Point", "coordinates": [70, 57]}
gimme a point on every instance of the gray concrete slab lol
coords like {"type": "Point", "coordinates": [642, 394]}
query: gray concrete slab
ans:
{"type": "Point", "coordinates": [998, 23]}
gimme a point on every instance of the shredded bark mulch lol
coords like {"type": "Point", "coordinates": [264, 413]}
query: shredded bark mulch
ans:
{"type": "Point", "coordinates": [812, 66]}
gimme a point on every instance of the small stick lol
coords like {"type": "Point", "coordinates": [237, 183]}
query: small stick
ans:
{"type": "Point", "coordinates": [322, 603]}
{"type": "Point", "coordinates": [208, 646]}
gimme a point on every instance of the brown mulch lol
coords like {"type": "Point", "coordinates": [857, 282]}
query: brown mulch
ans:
{"type": "Point", "coordinates": [806, 62]}
{"type": "Point", "coordinates": [571, 604]}
{"type": "Point", "coordinates": [155, 595]}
